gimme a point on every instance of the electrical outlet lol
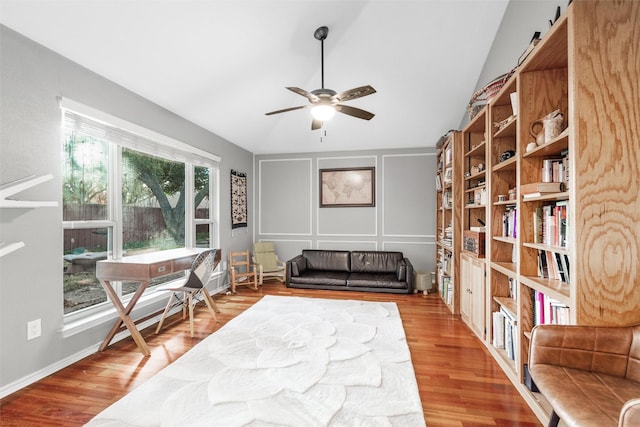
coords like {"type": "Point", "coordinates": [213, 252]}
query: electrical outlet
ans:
{"type": "Point", "coordinates": [34, 329]}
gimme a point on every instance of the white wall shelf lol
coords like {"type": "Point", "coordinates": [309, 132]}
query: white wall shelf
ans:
{"type": "Point", "coordinates": [7, 248]}
{"type": "Point", "coordinates": [11, 188]}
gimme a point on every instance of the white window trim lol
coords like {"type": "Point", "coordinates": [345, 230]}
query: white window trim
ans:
{"type": "Point", "coordinates": [85, 319]}
{"type": "Point", "coordinates": [101, 116]}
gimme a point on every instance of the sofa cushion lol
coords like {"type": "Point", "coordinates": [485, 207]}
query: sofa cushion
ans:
{"type": "Point", "coordinates": [374, 261]}
{"type": "Point", "coordinates": [327, 260]}
{"type": "Point", "coordinates": [317, 277]}
{"type": "Point", "coordinates": [583, 398]}
{"type": "Point", "coordinates": [401, 271]}
{"type": "Point", "coordinates": [375, 280]}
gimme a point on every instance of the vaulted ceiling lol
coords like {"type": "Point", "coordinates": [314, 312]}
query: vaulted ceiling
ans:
{"type": "Point", "coordinates": [223, 64]}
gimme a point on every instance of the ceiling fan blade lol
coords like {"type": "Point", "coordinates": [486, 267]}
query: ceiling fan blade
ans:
{"type": "Point", "coordinates": [287, 109]}
{"type": "Point", "coordinates": [316, 124]}
{"type": "Point", "coordinates": [355, 112]}
{"type": "Point", "coordinates": [311, 97]}
{"type": "Point", "coordinates": [354, 93]}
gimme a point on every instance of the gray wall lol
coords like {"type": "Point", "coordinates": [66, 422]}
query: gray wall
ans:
{"type": "Point", "coordinates": [521, 19]}
{"type": "Point", "coordinates": [288, 212]}
{"type": "Point", "coordinates": [32, 77]}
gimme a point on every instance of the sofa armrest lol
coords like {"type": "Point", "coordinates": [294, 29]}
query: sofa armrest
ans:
{"type": "Point", "coordinates": [295, 266]}
{"type": "Point", "coordinates": [601, 349]}
{"type": "Point", "coordinates": [409, 267]}
{"type": "Point", "coordinates": [630, 414]}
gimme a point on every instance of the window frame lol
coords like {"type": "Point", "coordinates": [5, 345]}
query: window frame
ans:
{"type": "Point", "coordinates": [157, 145]}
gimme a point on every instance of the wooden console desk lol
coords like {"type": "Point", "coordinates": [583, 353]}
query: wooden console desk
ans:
{"type": "Point", "coordinates": [139, 268]}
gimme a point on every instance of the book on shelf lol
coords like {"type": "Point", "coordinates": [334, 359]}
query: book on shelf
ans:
{"type": "Point", "coordinates": [565, 168]}
{"type": "Point", "coordinates": [509, 225]}
{"type": "Point", "coordinates": [498, 329]}
{"type": "Point", "coordinates": [553, 265]}
{"type": "Point", "coordinates": [510, 333]}
{"type": "Point", "coordinates": [537, 225]}
{"type": "Point", "coordinates": [513, 289]}
{"type": "Point", "coordinates": [541, 187]}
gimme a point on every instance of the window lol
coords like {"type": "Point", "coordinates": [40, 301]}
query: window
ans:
{"type": "Point", "coordinates": [126, 194]}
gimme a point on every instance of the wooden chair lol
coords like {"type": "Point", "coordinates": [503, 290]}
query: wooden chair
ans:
{"type": "Point", "coordinates": [195, 284]}
{"type": "Point", "coordinates": [241, 271]}
{"type": "Point", "coordinates": [269, 266]}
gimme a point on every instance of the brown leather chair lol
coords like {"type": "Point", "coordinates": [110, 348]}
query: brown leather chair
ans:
{"type": "Point", "coordinates": [589, 374]}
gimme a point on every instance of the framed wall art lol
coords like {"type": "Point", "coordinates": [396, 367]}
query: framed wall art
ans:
{"type": "Point", "coordinates": [238, 199]}
{"type": "Point", "coordinates": [348, 187]}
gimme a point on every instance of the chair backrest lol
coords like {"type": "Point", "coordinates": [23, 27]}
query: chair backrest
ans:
{"type": "Point", "coordinates": [265, 254]}
{"type": "Point", "coordinates": [202, 268]}
{"type": "Point", "coordinates": [239, 261]}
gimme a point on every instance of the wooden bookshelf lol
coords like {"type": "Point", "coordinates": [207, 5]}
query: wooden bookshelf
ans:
{"type": "Point", "coordinates": [573, 69]}
{"type": "Point", "coordinates": [448, 231]}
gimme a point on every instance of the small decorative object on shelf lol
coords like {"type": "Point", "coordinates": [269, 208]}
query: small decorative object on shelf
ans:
{"type": "Point", "coordinates": [549, 127]}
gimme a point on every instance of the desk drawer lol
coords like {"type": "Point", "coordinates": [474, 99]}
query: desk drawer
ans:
{"type": "Point", "coordinates": [183, 263]}
{"type": "Point", "coordinates": [160, 269]}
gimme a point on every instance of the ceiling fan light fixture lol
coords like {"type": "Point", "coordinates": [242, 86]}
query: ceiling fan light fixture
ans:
{"type": "Point", "coordinates": [323, 112]}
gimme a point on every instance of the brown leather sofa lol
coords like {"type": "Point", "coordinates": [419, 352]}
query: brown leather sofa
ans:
{"type": "Point", "coordinates": [376, 271]}
{"type": "Point", "coordinates": [589, 374]}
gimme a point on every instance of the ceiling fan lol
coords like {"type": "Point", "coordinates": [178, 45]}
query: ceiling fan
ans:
{"type": "Point", "coordinates": [325, 102]}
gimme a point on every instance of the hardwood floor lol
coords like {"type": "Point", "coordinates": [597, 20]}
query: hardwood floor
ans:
{"type": "Point", "coordinates": [459, 382]}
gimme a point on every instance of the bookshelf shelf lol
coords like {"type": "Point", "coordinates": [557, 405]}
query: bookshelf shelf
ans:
{"type": "Point", "coordinates": [508, 304]}
{"type": "Point", "coordinates": [509, 128]}
{"type": "Point", "coordinates": [552, 148]}
{"type": "Point", "coordinates": [475, 176]}
{"type": "Point", "coordinates": [476, 149]}
{"type": "Point", "coordinates": [502, 355]}
{"type": "Point", "coordinates": [509, 164]}
{"type": "Point", "coordinates": [509, 269]}
{"type": "Point", "coordinates": [557, 249]}
{"type": "Point", "coordinates": [510, 240]}
{"type": "Point", "coordinates": [556, 289]}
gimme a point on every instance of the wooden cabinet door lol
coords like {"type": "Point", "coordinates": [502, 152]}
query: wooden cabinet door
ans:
{"type": "Point", "coordinates": [472, 292]}
{"type": "Point", "coordinates": [477, 270]}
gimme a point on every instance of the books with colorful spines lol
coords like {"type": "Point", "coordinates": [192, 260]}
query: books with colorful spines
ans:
{"type": "Point", "coordinates": [540, 187]}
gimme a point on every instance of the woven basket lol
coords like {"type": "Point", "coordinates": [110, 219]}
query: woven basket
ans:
{"type": "Point", "coordinates": [483, 96]}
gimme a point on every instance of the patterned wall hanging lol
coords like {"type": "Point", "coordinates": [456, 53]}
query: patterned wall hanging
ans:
{"type": "Point", "coordinates": [238, 199]}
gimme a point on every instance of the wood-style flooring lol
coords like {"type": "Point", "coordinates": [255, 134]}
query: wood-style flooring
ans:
{"type": "Point", "coordinates": [460, 384]}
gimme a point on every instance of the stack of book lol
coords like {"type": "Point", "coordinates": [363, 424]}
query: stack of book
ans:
{"type": "Point", "coordinates": [537, 189]}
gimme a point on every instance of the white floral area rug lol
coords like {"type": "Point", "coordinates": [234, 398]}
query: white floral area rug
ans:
{"type": "Point", "coordinates": [286, 361]}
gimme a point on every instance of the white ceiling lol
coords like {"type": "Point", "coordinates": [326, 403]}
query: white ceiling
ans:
{"type": "Point", "coordinates": [222, 64]}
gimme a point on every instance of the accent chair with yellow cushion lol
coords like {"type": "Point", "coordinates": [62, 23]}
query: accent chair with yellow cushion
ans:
{"type": "Point", "coordinates": [269, 265]}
